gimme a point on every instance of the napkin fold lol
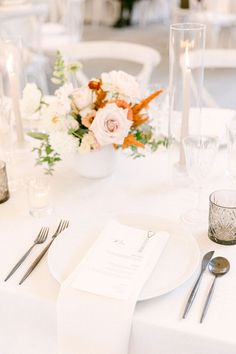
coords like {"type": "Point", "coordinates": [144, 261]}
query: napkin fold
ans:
{"type": "Point", "coordinates": [97, 301]}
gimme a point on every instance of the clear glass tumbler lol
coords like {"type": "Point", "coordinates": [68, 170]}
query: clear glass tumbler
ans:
{"type": "Point", "coordinates": [222, 217]}
{"type": "Point", "coordinates": [39, 197]}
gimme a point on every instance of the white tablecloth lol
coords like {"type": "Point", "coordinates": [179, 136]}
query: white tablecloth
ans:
{"type": "Point", "coordinates": [28, 312]}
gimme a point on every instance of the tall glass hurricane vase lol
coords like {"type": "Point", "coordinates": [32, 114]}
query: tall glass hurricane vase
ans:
{"type": "Point", "coordinates": [186, 72]}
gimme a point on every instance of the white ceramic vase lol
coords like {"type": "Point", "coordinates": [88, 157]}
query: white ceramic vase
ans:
{"type": "Point", "coordinates": [96, 164]}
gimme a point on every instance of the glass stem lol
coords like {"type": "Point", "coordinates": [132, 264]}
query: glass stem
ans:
{"type": "Point", "coordinates": [199, 197]}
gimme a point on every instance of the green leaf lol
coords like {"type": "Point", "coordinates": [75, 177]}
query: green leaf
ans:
{"type": "Point", "coordinates": [39, 136]}
{"type": "Point", "coordinates": [46, 155]}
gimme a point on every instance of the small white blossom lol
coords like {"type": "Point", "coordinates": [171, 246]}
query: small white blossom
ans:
{"type": "Point", "coordinates": [88, 143]}
{"type": "Point", "coordinates": [52, 121]}
{"type": "Point", "coordinates": [64, 91]}
{"type": "Point", "coordinates": [31, 101]}
{"type": "Point", "coordinates": [62, 103]}
{"type": "Point", "coordinates": [63, 143]}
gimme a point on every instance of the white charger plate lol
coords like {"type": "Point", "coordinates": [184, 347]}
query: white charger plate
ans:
{"type": "Point", "coordinates": [176, 265]}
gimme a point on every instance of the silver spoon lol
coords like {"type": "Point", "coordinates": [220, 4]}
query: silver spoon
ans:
{"type": "Point", "coordinates": [218, 266]}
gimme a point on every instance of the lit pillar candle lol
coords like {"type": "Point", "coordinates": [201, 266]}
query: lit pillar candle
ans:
{"type": "Point", "coordinates": [186, 102]}
{"type": "Point", "coordinates": [15, 96]}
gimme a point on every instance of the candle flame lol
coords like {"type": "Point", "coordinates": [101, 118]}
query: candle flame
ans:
{"type": "Point", "coordinates": [187, 45]}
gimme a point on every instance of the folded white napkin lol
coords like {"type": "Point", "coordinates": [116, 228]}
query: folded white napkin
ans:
{"type": "Point", "coordinates": [96, 302]}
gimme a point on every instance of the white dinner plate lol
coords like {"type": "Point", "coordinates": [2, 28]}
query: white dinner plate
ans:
{"type": "Point", "coordinates": [177, 263]}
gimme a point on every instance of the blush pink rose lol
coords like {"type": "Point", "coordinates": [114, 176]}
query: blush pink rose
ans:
{"type": "Point", "coordinates": [111, 125]}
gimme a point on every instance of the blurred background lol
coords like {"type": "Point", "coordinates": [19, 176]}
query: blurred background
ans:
{"type": "Point", "coordinates": [44, 26]}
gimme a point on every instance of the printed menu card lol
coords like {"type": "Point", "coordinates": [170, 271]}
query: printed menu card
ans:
{"type": "Point", "coordinates": [120, 261]}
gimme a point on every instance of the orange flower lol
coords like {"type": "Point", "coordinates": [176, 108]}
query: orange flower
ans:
{"type": "Point", "coordinates": [88, 119]}
{"type": "Point", "coordinates": [136, 109]}
{"type": "Point", "coordinates": [139, 120]}
{"type": "Point", "coordinates": [131, 140]}
{"type": "Point", "coordinates": [101, 95]}
{"type": "Point", "coordinates": [55, 120]}
{"type": "Point", "coordinates": [94, 84]}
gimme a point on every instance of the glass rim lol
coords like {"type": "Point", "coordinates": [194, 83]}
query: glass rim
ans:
{"type": "Point", "coordinates": [188, 26]}
{"type": "Point", "coordinates": [203, 136]}
{"type": "Point", "coordinates": [217, 204]}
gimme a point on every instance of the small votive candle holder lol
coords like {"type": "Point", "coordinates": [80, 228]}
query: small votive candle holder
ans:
{"type": "Point", "coordinates": [39, 197]}
{"type": "Point", "coordinates": [222, 217]}
{"type": "Point", "coordinates": [4, 191]}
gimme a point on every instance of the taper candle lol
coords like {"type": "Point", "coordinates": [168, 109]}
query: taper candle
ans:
{"type": "Point", "coordinates": [186, 99]}
{"type": "Point", "coordinates": [15, 96]}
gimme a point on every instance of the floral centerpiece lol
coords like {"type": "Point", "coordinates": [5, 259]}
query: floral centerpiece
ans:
{"type": "Point", "coordinates": [107, 111]}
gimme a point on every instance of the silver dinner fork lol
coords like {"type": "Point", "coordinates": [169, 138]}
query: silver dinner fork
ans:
{"type": "Point", "coordinates": [41, 238]}
{"type": "Point", "coordinates": [62, 226]}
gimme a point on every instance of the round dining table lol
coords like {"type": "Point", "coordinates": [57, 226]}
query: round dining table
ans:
{"type": "Point", "coordinates": [139, 189]}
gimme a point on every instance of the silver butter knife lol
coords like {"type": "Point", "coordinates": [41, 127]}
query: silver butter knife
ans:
{"type": "Point", "coordinates": [205, 260]}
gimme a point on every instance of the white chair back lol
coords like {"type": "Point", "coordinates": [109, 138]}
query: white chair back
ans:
{"type": "Point", "coordinates": [214, 59]}
{"type": "Point", "coordinates": [147, 57]}
{"type": "Point", "coordinates": [69, 30]}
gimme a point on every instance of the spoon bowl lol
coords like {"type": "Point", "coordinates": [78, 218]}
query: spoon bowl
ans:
{"type": "Point", "coordinates": [219, 266]}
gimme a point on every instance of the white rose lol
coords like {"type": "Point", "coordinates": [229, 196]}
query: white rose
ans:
{"type": "Point", "coordinates": [62, 100]}
{"type": "Point", "coordinates": [121, 83]}
{"type": "Point", "coordinates": [64, 91]}
{"type": "Point", "coordinates": [31, 101]}
{"type": "Point", "coordinates": [82, 97]}
{"type": "Point", "coordinates": [111, 125]}
{"type": "Point", "coordinates": [62, 107]}
{"type": "Point", "coordinates": [63, 143]}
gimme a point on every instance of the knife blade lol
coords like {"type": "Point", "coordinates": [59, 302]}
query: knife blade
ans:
{"type": "Point", "coordinates": [205, 260]}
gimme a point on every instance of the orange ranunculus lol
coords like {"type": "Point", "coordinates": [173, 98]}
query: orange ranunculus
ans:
{"type": "Point", "coordinates": [100, 101]}
{"type": "Point", "coordinates": [94, 84]}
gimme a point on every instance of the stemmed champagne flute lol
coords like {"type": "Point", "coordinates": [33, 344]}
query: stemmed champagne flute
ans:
{"type": "Point", "coordinates": [200, 152]}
